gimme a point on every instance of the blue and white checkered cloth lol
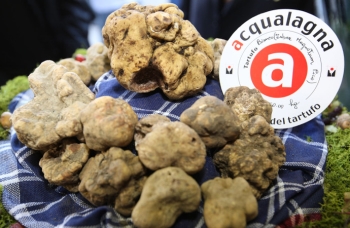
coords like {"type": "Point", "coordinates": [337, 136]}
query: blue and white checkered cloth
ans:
{"type": "Point", "coordinates": [296, 193]}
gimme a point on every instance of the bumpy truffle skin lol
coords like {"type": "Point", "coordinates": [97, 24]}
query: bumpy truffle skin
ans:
{"type": "Point", "coordinates": [77, 67]}
{"type": "Point", "coordinates": [172, 144]}
{"type": "Point", "coordinates": [246, 103]}
{"type": "Point", "coordinates": [54, 89]}
{"type": "Point", "coordinates": [218, 46]}
{"type": "Point", "coordinates": [228, 203]}
{"type": "Point", "coordinates": [69, 124]}
{"type": "Point", "coordinates": [213, 120]}
{"type": "Point", "coordinates": [97, 60]}
{"type": "Point", "coordinates": [108, 122]}
{"type": "Point", "coordinates": [256, 156]}
{"type": "Point", "coordinates": [62, 165]}
{"type": "Point", "coordinates": [145, 124]}
{"type": "Point", "coordinates": [153, 47]}
{"type": "Point", "coordinates": [167, 194]}
{"type": "Point", "coordinates": [115, 177]}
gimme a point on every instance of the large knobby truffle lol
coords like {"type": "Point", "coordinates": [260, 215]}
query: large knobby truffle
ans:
{"type": "Point", "coordinates": [256, 156]}
{"type": "Point", "coordinates": [213, 120]}
{"type": "Point", "coordinates": [172, 144]}
{"type": "Point", "coordinates": [153, 47]}
{"type": "Point", "coordinates": [115, 177]}
{"type": "Point", "coordinates": [55, 89]}
{"type": "Point", "coordinates": [246, 103]}
{"type": "Point", "coordinates": [167, 194]}
{"type": "Point", "coordinates": [108, 122]}
{"type": "Point", "coordinates": [228, 203]}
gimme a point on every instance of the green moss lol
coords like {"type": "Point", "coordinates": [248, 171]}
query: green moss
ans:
{"type": "Point", "coordinates": [308, 138]}
{"type": "Point", "coordinates": [5, 218]}
{"type": "Point", "coordinates": [7, 93]}
{"type": "Point", "coordinates": [336, 182]}
{"type": "Point", "coordinates": [81, 51]}
{"type": "Point", "coordinates": [11, 89]}
{"type": "Point", "coordinates": [3, 133]}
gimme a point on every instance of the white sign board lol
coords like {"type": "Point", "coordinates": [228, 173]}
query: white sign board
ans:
{"type": "Point", "coordinates": [292, 57]}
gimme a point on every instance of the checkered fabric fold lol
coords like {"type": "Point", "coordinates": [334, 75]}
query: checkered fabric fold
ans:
{"type": "Point", "coordinates": [296, 193]}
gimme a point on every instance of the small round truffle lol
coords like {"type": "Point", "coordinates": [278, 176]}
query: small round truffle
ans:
{"type": "Point", "coordinates": [97, 60]}
{"type": "Point", "coordinates": [343, 121]}
{"type": "Point", "coordinates": [108, 122]}
{"type": "Point", "coordinates": [167, 194]}
{"type": "Point", "coordinates": [145, 124]}
{"type": "Point", "coordinates": [246, 103]}
{"type": "Point", "coordinates": [228, 202]}
{"type": "Point", "coordinates": [213, 120]}
{"type": "Point", "coordinates": [62, 165]}
{"type": "Point", "coordinates": [5, 120]}
{"type": "Point", "coordinates": [172, 144]}
{"type": "Point", "coordinates": [115, 177]}
{"type": "Point", "coordinates": [218, 46]}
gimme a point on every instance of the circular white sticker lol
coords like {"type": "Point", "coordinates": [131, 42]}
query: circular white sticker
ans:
{"type": "Point", "coordinates": [292, 57]}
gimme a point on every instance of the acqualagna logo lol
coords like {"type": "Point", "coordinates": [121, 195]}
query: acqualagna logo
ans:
{"type": "Point", "coordinates": [279, 70]}
{"type": "Point", "coordinates": [307, 28]}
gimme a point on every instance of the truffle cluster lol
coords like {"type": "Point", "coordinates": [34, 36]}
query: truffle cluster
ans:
{"type": "Point", "coordinates": [144, 168]}
{"type": "Point", "coordinates": [84, 141]}
{"type": "Point", "coordinates": [239, 129]}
